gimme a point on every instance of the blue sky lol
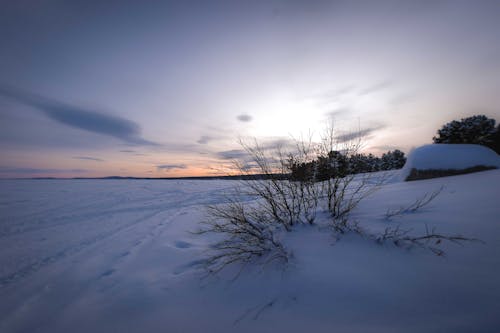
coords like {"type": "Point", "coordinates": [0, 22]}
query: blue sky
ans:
{"type": "Point", "coordinates": [164, 88]}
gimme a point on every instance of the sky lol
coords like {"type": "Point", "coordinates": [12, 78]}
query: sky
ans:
{"type": "Point", "coordinates": [167, 88]}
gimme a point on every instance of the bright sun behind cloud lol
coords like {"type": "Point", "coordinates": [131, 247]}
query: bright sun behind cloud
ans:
{"type": "Point", "coordinates": [284, 115]}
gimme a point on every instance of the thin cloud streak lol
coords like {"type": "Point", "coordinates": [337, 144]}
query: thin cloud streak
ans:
{"type": "Point", "coordinates": [339, 112]}
{"type": "Point", "coordinates": [244, 118]}
{"type": "Point", "coordinates": [333, 95]}
{"type": "Point", "coordinates": [88, 158]}
{"type": "Point", "coordinates": [233, 154]}
{"type": "Point", "coordinates": [204, 139]}
{"type": "Point", "coordinates": [357, 134]}
{"type": "Point", "coordinates": [26, 171]}
{"type": "Point", "coordinates": [168, 167]}
{"type": "Point", "coordinates": [376, 87]}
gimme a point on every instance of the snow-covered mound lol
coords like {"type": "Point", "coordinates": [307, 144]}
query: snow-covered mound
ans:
{"type": "Point", "coordinates": [450, 156]}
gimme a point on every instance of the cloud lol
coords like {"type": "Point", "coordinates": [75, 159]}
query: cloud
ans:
{"type": "Point", "coordinates": [168, 167]}
{"type": "Point", "coordinates": [265, 145]}
{"type": "Point", "coordinates": [333, 95]}
{"type": "Point", "coordinates": [278, 143]}
{"type": "Point", "coordinates": [402, 99]}
{"type": "Point", "coordinates": [339, 112]}
{"type": "Point", "coordinates": [376, 87]}
{"type": "Point", "coordinates": [357, 134]}
{"type": "Point", "coordinates": [129, 151]}
{"type": "Point", "coordinates": [233, 154]}
{"type": "Point", "coordinates": [385, 148]}
{"type": "Point", "coordinates": [269, 147]}
{"type": "Point", "coordinates": [244, 160]}
{"type": "Point", "coordinates": [80, 118]}
{"type": "Point", "coordinates": [27, 171]}
{"type": "Point", "coordinates": [244, 118]}
{"type": "Point", "coordinates": [204, 139]}
{"type": "Point", "coordinates": [88, 158]}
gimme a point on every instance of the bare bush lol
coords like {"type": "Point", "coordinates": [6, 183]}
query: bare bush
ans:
{"type": "Point", "coordinates": [345, 193]}
{"type": "Point", "coordinates": [281, 200]}
{"type": "Point", "coordinates": [249, 230]}
{"type": "Point", "coordinates": [343, 190]}
{"type": "Point", "coordinates": [247, 235]}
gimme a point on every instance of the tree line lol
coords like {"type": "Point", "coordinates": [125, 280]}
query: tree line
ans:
{"type": "Point", "coordinates": [477, 129]}
{"type": "Point", "coordinates": [337, 164]}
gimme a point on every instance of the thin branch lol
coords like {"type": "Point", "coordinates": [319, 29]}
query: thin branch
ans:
{"type": "Point", "coordinates": [430, 240]}
{"type": "Point", "coordinates": [419, 203]}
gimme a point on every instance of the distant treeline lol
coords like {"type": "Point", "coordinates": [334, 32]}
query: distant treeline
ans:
{"type": "Point", "coordinates": [228, 177]}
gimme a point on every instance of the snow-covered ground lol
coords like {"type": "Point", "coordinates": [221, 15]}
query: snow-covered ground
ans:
{"type": "Point", "coordinates": [118, 256]}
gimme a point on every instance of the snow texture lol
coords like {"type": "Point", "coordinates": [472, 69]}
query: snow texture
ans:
{"type": "Point", "coordinates": [119, 256]}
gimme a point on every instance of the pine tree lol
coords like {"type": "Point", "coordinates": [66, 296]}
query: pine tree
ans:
{"type": "Point", "coordinates": [477, 129]}
{"type": "Point", "coordinates": [392, 160]}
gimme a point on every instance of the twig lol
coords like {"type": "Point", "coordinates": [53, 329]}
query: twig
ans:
{"type": "Point", "coordinates": [258, 311]}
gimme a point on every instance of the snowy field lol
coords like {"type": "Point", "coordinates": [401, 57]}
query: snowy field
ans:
{"type": "Point", "coordinates": [118, 256]}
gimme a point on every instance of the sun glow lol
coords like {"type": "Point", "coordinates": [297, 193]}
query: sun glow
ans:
{"type": "Point", "coordinates": [283, 115]}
